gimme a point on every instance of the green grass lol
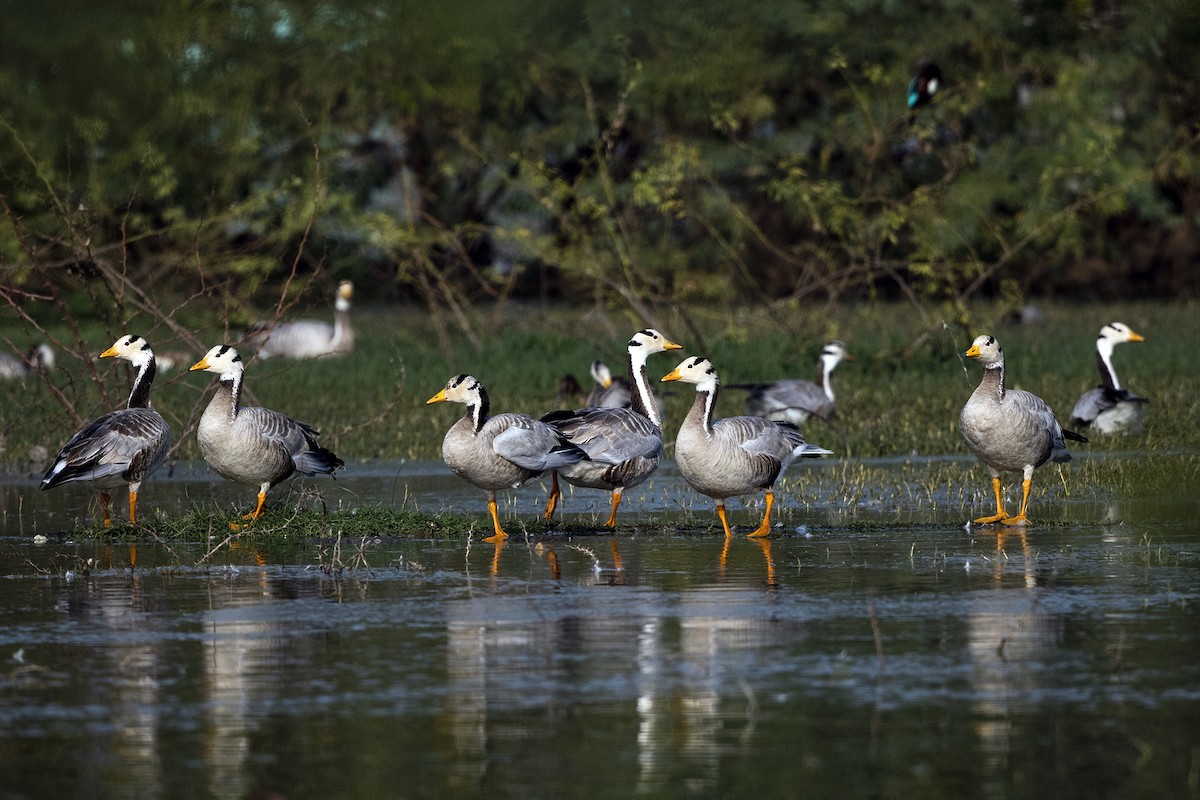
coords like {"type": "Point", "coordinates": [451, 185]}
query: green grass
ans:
{"type": "Point", "coordinates": [371, 405]}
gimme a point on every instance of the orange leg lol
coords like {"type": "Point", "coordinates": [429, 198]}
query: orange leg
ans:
{"type": "Point", "coordinates": [496, 557]}
{"type": "Point", "coordinates": [1000, 512]}
{"type": "Point", "coordinates": [764, 527]}
{"type": "Point", "coordinates": [1020, 518]}
{"type": "Point", "coordinates": [724, 557]}
{"type": "Point", "coordinates": [133, 506]}
{"type": "Point", "coordinates": [500, 535]}
{"type": "Point", "coordinates": [724, 520]}
{"type": "Point", "coordinates": [552, 500]}
{"type": "Point", "coordinates": [618, 564]}
{"type": "Point", "coordinates": [253, 515]}
{"type": "Point", "coordinates": [555, 569]}
{"type": "Point", "coordinates": [616, 501]}
{"type": "Point", "coordinates": [105, 502]}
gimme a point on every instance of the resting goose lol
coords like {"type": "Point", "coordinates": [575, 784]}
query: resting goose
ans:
{"type": "Point", "coordinates": [499, 452]}
{"type": "Point", "coordinates": [40, 356]}
{"type": "Point", "coordinates": [123, 446]}
{"type": "Point", "coordinates": [1009, 430]}
{"type": "Point", "coordinates": [251, 445]}
{"type": "Point", "coordinates": [623, 445]}
{"type": "Point", "coordinates": [1109, 408]}
{"type": "Point", "coordinates": [796, 400]}
{"type": "Point", "coordinates": [308, 338]}
{"type": "Point", "coordinates": [609, 391]}
{"type": "Point", "coordinates": [736, 455]}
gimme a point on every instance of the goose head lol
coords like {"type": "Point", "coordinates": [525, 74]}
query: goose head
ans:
{"type": "Point", "coordinates": [223, 360]}
{"type": "Point", "coordinates": [133, 349]}
{"type": "Point", "coordinates": [648, 341]}
{"type": "Point", "coordinates": [345, 293]}
{"type": "Point", "coordinates": [986, 350]}
{"type": "Point", "coordinates": [601, 374]}
{"type": "Point", "coordinates": [835, 353]}
{"type": "Point", "coordinates": [696, 370]}
{"type": "Point", "coordinates": [460, 389]}
{"type": "Point", "coordinates": [1119, 333]}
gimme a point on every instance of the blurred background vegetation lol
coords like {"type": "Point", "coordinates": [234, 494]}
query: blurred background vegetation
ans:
{"type": "Point", "coordinates": [189, 167]}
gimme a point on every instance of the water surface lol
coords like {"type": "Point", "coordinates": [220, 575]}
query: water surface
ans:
{"type": "Point", "coordinates": [873, 659]}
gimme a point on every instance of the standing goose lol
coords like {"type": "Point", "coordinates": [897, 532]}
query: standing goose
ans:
{"type": "Point", "coordinates": [251, 445]}
{"type": "Point", "coordinates": [1009, 430]}
{"type": "Point", "coordinates": [499, 452]}
{"type": "Point", "coordinates": [307, 338]}
{"type": "Point", "coordinates": [796, 400]}
{"type": "Point", "coordinates": [123, 446]}
{"type": "Point", "coordinates": [1109, 408]}
{"type": "Point", "coordinates": [736, 455]}
{"type": "Point", "coordinates": [609, 391]}
{"type": "Point", "coordinates": [624, 445]}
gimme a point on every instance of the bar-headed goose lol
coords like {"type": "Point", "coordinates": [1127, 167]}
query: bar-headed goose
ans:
{"type": "Point", "coordinates": [123, 446]}
{"type": "Point", "coordinates": [1009, 430]}
{"type": "Point", "coordinates": [251, 445]}
{"type": "Point", "coordinates": [796, 400]}
{"type": "Point", "coordinates": [610, 391]}
{"type": "Point", "coordinates": [1109, 408]}
{"type": "Point", "coordinates": [39, 357]}
{"type": "Point", "coordinates": [624, 445]}
{"type": "Point", "coordinates": [736, 455]}
{"type": "Point", "coordinates": [307, 338]}
{"type": "Point", "coordinates": [499, 452]}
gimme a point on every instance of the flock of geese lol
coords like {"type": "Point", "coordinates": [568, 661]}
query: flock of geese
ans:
{"type": "Point", "coordinates": [615, 442]}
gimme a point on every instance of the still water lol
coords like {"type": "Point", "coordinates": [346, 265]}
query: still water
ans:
{"type": "Point", "coordinates": [876, 659]}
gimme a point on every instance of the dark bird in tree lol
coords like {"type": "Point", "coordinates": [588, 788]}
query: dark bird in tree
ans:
{"type": "Point", "coordinates": [924, 86]}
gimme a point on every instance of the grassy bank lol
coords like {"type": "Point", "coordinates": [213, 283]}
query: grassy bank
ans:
{"type": "Point", "coordinates": [371, 404]}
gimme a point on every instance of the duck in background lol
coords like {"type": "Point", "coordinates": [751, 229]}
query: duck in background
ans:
{"type": "Point", "coordinates": [307, 338]}
{"type": "Point", "coordinates": [796, 400]}
{"type": "Point", "coordinates": [1109, 408]}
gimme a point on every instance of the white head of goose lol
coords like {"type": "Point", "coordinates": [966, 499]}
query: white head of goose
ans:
{"type": "Point", "coordinates": [1009, 430]}
{"type": "Point", "coordinates": [624, 445]}
{"type": "Point", "coordinates": [796, 400]}
{"type": "Point", "coordinates": [251, 445]}
{"type": "Point", "coordinates": [499, 452]}
{"type": "Point", "coordinates": [123, 446]}
{"type": "Point", "coordinates": [307, 338]}
{"type": "Point", "coordinates": [736, 455]}
{"type": "Point", "coordinates": [1110, 408]}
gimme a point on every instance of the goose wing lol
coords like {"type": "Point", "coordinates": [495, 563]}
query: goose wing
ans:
{"type": "Point", "coordinates": [609, 435]}
{"type": "Point", "coordinates": [776, 396]}
{"type": "Point", "coordinates": [131, 442]}
{"type": "Point", "coordinates": [532, 444]}
{"type": "Point", "coordinates": [296, 440]}
{"type": "Point", "coordinates": [1095, 402]}
{"type": "Point", "coordinates": [303, 338]}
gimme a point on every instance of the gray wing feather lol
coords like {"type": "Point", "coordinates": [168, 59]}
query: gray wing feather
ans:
{"type": "Point", "coordinates": [531, 444]}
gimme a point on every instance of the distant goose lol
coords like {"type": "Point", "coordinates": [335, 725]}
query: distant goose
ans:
{"type": "Point", "coordinates": [251, 445]}
{"type": "Point", "coordinates": [796, 400]}
{"type": "Point", "coordinates": [623, 445]}
{"type": "Point", "coordinates": [40, 356]}
{"type": "Point", "coordinates": [500, 452]}
{"type": "Point", "coordinates": [609, 391]}
{"type": "Point", "coordinates": [308, 338]}
{"type": "Point", "coordinates": [736, 455]}
{"type": "Point", "coordinates": [1110, 408]}
{"type": "Point", "coordinates": [1009, 430]}
{"type": "Point", "coordinates": [123, 446]}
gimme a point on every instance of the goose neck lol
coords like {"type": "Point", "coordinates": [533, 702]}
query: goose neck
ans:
{"type": "Point", "coordinates": [643, 399]}
{"type": "Point", "coordinates": [1108, 375]}
{"type": "Point", "coordinates": [139, 395]}
{"type": "Point", "coordinates": [993, 380]}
